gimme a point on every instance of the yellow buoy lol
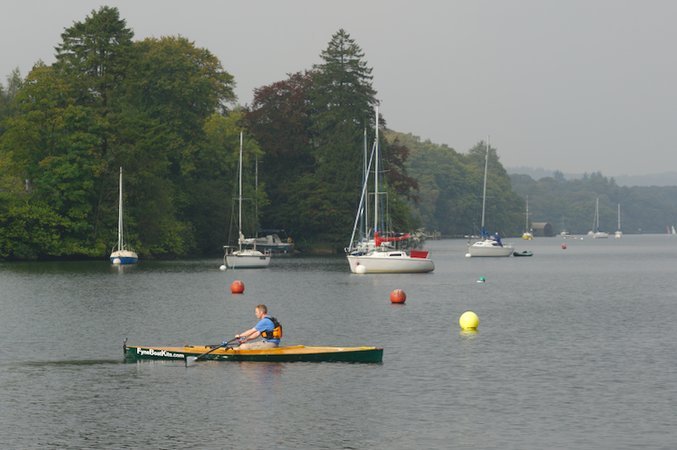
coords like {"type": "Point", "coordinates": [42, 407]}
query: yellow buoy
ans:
{"type": "Point", "coordinates": [469, 321]}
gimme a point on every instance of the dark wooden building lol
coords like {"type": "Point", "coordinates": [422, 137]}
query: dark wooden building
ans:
{"type": "Point", "coordinates": [542, 229]}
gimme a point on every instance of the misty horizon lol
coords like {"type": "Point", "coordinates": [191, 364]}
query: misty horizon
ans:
{"type": "Point", "coordinates": [576, 86]}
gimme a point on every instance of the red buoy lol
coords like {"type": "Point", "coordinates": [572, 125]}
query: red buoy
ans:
{"type": "Point", "coordinates": [564, 246]}
{"type": "Point", "coordinates": [398, 296]}
{"type": "Point", "coordinates": [237, 287]}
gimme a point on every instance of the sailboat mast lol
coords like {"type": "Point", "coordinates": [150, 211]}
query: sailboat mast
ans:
{"type": "Point", "coordinates": [526, 221]}
{"type": "Point", "coordinates": [619, 217]}
{"type": "Point", "coordinates": [120, 235]}
{"type": "Point", "coordinates": [239, 198]}
{"type": "Point", "coordinates": [365, 177]}
{"type": "Point", "coordinates": [256, 194]}
{"type": "Point", "coordinates": [376, 177]}
{"type": "Point", "coordinates": [484, 188]}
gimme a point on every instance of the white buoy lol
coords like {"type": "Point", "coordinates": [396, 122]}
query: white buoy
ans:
{"type": "Point", "coordinates": [222, 267]}
{"type": "Point", "coordinates": [116, 261]}
{"type": "Point", "coordinates": [361, 269]}
{"type": "Point", "coordinates": [468, 255]}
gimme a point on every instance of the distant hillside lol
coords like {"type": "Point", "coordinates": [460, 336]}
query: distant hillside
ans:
{"type": "Point", "coordinates": [450, 186]}
{"type": "Point", "coordinates": [449, 197]}
{"type": "Point", "coordinates": [655, 179]}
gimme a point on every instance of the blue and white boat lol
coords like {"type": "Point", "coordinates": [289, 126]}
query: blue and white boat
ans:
{"type": "Point", "coordinates": [488, 245]}
{"type": "Point", "coordinates": [122, 255]}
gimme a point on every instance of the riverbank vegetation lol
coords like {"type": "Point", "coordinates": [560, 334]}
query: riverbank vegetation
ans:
{"type": "Point", "coordinates": [165, 110]}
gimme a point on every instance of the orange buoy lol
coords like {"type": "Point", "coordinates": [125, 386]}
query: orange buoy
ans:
{"type": "Point", "coordinates": [237, 287]}
{"type": "Point", "coordinates": [564, 246]}
{"type": "Point", "coordinates": [398, 296]}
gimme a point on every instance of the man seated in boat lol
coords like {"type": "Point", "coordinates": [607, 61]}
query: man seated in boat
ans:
{"type": "Point", "coordinates": [497, 237]}
{"type": "Point", "coordinates": [268, 328]}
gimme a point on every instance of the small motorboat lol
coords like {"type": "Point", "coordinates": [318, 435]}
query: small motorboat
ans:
{"type": "Point", "coordinates": [278, 354]}
{"type": "Point", "coordinates": [523, 253]}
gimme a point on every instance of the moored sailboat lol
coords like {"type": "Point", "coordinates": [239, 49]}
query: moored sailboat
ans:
{"type": "Point", "coordinates": [245, 255]}
{"type": "Point", "coordinates": [488, 245]}
{"type": "Point", "coordinates": [376, 252]}
{"type": "Point", "coordinates": [596, 234]}
{"type": "Point", "coordinates": [122, 255]}
{"type": "Point", "coordinates": [527, 235]}
{"type": "Point", "coordinates": [618, 234]}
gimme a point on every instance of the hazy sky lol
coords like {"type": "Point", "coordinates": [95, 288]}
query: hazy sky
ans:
{"type": "Point", "coordinates": [575, 85]}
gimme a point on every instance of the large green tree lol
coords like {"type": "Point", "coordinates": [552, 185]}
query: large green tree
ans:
{"type": "Point", "coordinates": [280, 118]}
{"type": "Point", "coordinates": [312, 127]}
{"type": "Point", "coordinates": [94, 54]}
{"type": "Point", "coordinates": [109, 102]}
{"type": "Point", "coordinates": [343, 101]}
{"type": "Point", "coordinates": [172, 90]}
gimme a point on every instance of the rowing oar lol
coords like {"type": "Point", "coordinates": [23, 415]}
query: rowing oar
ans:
{"type": "Point", "coordinates": [192, 359]}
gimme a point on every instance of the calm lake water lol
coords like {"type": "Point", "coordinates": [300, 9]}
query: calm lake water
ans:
{"type": "Point", "coordinates": [575, 349]}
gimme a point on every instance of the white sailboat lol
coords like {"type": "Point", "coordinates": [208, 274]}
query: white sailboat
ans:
{"type": "Point", "coordinates": [245, 255]}
{"type": "Point", "coordinates": [618, 234]}
{"type": "Point", "coordinates": [596, 234]}
{"type": "Point", "coordinates": [122, 255]}
{"type": "Point", "coordinates": [488, 246]}
{"type": "Point", "coordinates": [375, 253]}
{"type": "Point", "coordinates": [527, 235]}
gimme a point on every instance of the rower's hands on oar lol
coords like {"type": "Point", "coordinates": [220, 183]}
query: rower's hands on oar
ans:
{"type": "Point", "coordinates": [225, 344]}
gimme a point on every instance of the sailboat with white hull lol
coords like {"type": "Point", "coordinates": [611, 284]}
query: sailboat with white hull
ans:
{"type": "Point", "coordinates": [596, 234]}
{"type": "Point", "coordinates": [245, 255]}
{"type": "Point", "coordinates": [618, 234]}
{"type": "Point", "coordinates": [527, 235]}
{"type": "Point", "coordinates": [488, 245]}
{"type": "Point", "coordinates": [122, 255]}
{"type": "Point", "coordinates": [376, 253]}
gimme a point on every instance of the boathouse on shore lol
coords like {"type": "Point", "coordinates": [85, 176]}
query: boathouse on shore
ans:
{"type": "Point", "coordinates": [542, 229]}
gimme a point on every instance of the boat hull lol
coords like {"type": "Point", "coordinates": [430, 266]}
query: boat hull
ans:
{"type": "Point", "coordinates": [489, 248]}
{"type": "Point", "coordinates": [247, 259]}
{"type": "Point", "coordinates": [389, 262]}
{"type": "Point", "coordinates": [297, 353]}
{"type": "Point", "coordinates": [124, 257]}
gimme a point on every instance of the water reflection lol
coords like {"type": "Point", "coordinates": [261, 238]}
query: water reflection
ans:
{"type": "Point", "coordinates": [559, 351]}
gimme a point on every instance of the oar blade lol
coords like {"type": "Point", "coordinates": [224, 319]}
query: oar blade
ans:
{"type": "Point", "coordinates": [190, 360]}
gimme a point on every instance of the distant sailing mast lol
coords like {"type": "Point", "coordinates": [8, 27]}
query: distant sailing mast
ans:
{"type": "Point", "coordinates": [122, 255]}
{"type": "Point", "coordinates": [527, 235]}
{"type": "Point", "coordinates": [619, 233]}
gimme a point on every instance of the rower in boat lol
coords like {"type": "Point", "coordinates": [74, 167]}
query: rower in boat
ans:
{"type": "Point", "coordinates": [268, 328]}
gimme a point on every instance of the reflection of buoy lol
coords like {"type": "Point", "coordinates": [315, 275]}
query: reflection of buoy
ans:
{"type": "Point", "coordinates": [237, 287]}
{"type": "Point", "coordinates": [360, 269]}
{"type": "Point", "coordinates": [469, 321]}
{"type": "Point", "coordinates": [564, 246]}
{"type": "Point", "coordinates": [482, 280]}
{"type": "Point", "coordinates": [222, 267]}
{"type": "Point", "coordinates": [398, 296]}
{"type": "Point", "coordinates": [468, 255]}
